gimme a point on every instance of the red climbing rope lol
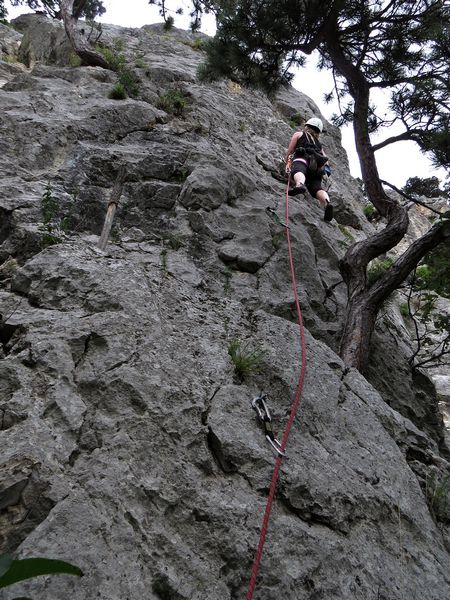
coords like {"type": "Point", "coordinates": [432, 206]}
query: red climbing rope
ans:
{"type": "Point", "coordinates": [273, 483]}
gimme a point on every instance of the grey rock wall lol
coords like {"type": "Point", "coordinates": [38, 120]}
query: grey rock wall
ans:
{"type": "Point", "coordinates": [129, 445]}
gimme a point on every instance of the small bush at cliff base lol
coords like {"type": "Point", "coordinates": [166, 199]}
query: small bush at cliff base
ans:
{"type": "Point", "coordinates": [245, 360]}
{"type": "Point", "coordinates": [118, 92]}
{"type": "Point", "coordinates": [173, 102]}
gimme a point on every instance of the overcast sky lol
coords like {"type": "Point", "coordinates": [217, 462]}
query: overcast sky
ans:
{"type": "Point", "coordinates": [396, 162]}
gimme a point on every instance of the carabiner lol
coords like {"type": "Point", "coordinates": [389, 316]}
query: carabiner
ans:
{"type": "Point", "coordinates": [259, 405]}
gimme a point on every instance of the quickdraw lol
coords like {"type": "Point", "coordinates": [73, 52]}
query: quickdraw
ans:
{"type": "Point", "coordinates": [259, 405]}
{"type": "Point", "coordinates": [272, 212]}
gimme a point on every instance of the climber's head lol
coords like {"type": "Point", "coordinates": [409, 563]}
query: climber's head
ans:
{"type": "Point", "coordinates": [314, 125]}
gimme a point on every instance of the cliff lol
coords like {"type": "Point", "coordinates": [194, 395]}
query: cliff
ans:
{"type": "Point", "coordinates": [129, 446]}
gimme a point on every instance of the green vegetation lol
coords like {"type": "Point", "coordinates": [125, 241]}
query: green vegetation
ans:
{"type": "Point", "coordinates": [14, 570]}
{"type": "Point", "coordinates": [54, 225]}
{"type": "Point", "coordinates": [404, 310]}
{"type": "Point", "coordinates": [118, 63]}
{"type": "Point", "coordinates": [50, 226]}
{"type": "Point", "coordinates": [296, 120]}
{"type": "Point", "coordinates": [181, 175]}
{"type": "Point", "coordinates": [434, 274]}
{"type": "Point", "coordinates": [173, 102]}
{"type": "Point", "coordinates": [168, 23]}
{"type": "Point", "coordinates": [8, 268]}
{"type": "Point", "coordinates": [418, 186]}
{"type": "Point", "coordinates": [228, 274]}
{"type": "Point", "coordinates": [74, 60]}
{"type": "Point", "coordinates": [377, 268]}
{"type": "Point", "coordinates": [206, 73]}
{"type": "Point", "coordinates": [277, 238]}
{"type": "Point", "coordinates": [245, 360]}
{"type": "Point", "coordinates": [438, 494]}
{"type": "Point", "coordinates": [370, 212]}
{"type": "Point", "coordinates": [173, 241]}
{"type": "Point", "coordinates": [118, 92]}
{"type": "Point", "coordinates": [343, 229]}
{"type": "Point", "coordinates": [198, 44]}
{"type": "Point", "coordinates": [163, 256]}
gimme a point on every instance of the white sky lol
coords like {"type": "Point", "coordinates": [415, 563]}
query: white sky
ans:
{"type": "Point", "coordinates": [396, 163]}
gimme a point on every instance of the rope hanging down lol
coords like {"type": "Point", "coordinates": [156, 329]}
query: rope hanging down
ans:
{"type": "Point", "coordinates": [273, 483]}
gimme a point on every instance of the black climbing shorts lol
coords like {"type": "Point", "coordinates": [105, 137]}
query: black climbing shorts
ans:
{"type": "Point", "coordinates": [313, 182]}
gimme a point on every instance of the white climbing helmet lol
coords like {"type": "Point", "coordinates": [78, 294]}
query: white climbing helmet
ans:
{"type": "Point", "coordinates": [315, 122]}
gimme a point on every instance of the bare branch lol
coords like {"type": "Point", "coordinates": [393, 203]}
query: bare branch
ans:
{"type": "Point", "coordinates": [410, 198]}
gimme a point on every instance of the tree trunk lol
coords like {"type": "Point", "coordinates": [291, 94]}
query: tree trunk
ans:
{"type": "Point", "coordinates": [363, 305]}
{"type": "Point", "coordinates": [88, 55]}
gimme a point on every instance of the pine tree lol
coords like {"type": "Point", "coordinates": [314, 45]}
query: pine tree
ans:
{"type": "Point", "coordinates": [400, 46]}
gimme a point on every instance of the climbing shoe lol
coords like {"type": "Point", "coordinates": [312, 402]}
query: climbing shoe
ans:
{"type": "Point", "coordinates": [298, 189]}
{"type": "Point", "coordinates": [328, 213]}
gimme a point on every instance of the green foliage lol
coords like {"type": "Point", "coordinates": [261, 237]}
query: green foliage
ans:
{"type": "Point", "coordinates": [277, 238]}
{"type": "Point", "coordinates": [370, 212]}
{"type": "Point", "coordinates": [181, 174]}
{"type": "Point", "coordinates": [74, 60]}
{"type": "Point", "coordinates": [438, 493]}
{"type": "Point", "coordinates": [163, 256]}
{"type": "Point", "coordinates": [404, 310]}
{"type": "Point", "coordinates": [198, 44]}
{"type": "Point", "coordinates": [168, 23]}
{"type": "Point", "coordinates": [14, 570]}
{"type": "Point", "coordinates": [377, 268]}
{"type": "Point", "coordinates": [228, 57]}
{"type": "Point", "coordinates": [119, 44]}
{"type": "Point", "coordinates": [8, 268]}
{"type": "Point", "coordinates": [228, 273]}
{"type": "Point", "coordinates": [296, 121]}
{"type": "Point", "coordinates": [126, 78]}
{"type": "Point", "coordinates": [173, 241]}
{"type": "Point", "coordinates": [54, 226]}
{"type": "Point", "coordinates": [245, 360]}
{"type": "Point", "coordinates": [139, 62]}
{"type": "Point", "coordinates": [173, 102]}
{"type": "Point", "coordinates": [400, 46]}
{"type": "Point", "coordinates": [343, 229]}
{"type": "Point", "coordinates": [206, 74]}
{"type": "Point", "coordinates": [116, 60]}
{"type": "Point", "coordinates": [428, 187]}
{"type": "Point", "coordinates": [434, 274]}
{"type": "Point", "coordinates": [118, 92]}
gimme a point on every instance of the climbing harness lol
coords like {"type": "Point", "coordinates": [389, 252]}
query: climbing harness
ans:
{"type": "Point", "coordinates": [287, 430]}
{"type": "Point", "coordinates": [290, 158]}
{"type": "Point", "coordinates": [259, 405]}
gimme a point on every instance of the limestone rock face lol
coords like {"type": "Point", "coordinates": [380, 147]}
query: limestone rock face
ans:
{"type": "Point", "coordinates": [129, 445]}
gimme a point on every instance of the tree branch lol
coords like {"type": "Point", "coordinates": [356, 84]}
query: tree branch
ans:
{"type": "Point", "coordinates": [81, 47]}
{"type": "Point", "coordinates": [398, 272]}
{"type": "Point", "coordinates": [410, 198]}
{"type": "Point", "coordinates": [409, 135]}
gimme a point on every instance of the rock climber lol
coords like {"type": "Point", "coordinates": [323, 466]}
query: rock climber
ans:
{"type": "Point", "coordinates": [308, 164]}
